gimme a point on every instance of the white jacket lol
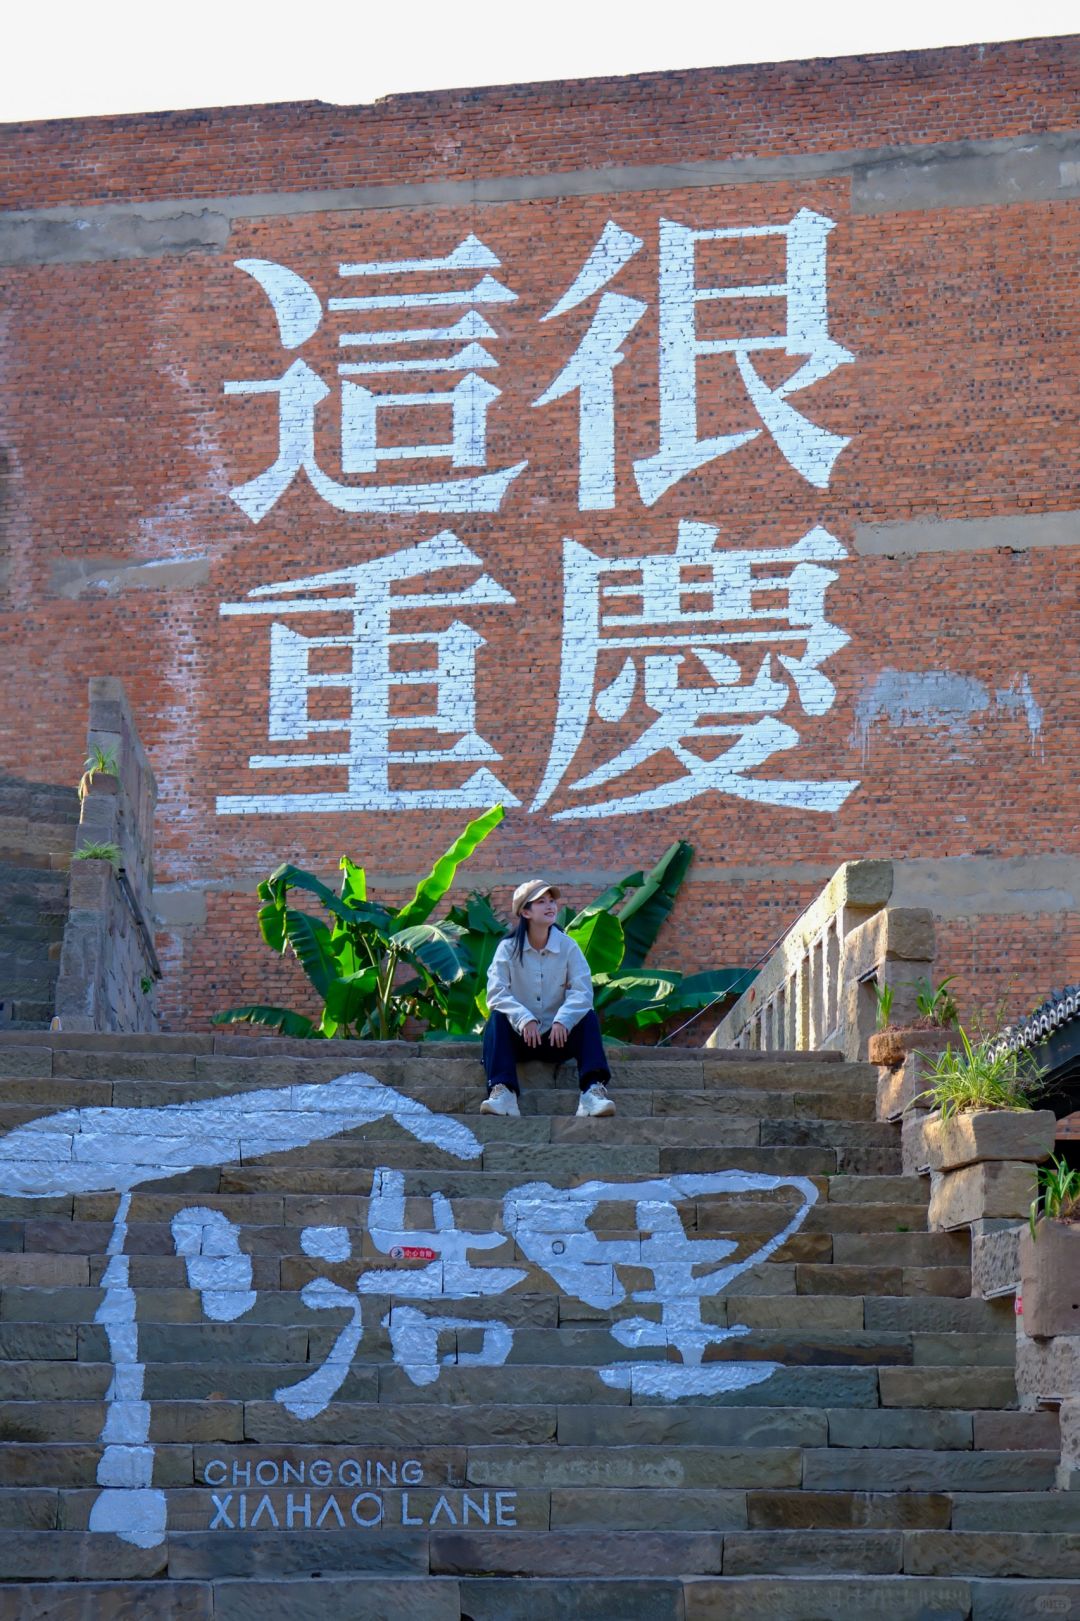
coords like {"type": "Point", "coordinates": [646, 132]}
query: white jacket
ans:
{"type": "Point", "coordinates": [552, 986]}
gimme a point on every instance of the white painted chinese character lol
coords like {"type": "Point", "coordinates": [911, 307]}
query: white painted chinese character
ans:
{"type": "Point", "coordinates": [216, 1265]}
{"type": "Point", "coordinates": [300, 390]}
{"type": "Point", "coordinates": [809, 449]}
{"type": "Point", "coordinates": [364, 593]}
{"type": "Point", "coordinates": [552, 1226]}
{"type": "Point", "coordinates": [414, 1335]}
{"type": "Point", "coordinates": [726, 618]}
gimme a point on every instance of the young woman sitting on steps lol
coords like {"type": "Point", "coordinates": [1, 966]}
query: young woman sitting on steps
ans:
{"type": "Point", "coordinates": [540, 995]}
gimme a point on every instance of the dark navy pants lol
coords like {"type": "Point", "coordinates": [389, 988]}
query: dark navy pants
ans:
{"type": "Point", "coordinates": [504, 1049]}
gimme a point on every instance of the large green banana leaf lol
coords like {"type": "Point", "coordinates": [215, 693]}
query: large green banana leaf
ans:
{"type": "Point", "coordinates": [600, 937]}
{"type": "Point", "coordinates": [272, 923]}
{"type": "Point", "coordinates": [349, 998]}
{"type": "Point", "coordinates": [436, 948]}
{"type": "Point", "coordinates": [430, 890]}
{"type": "Point", "coordinates": [353, 883]}
{"type": "Point", "coordinates": [311, 942]}
{"type": "Point", "coordinates": [281, 1019]}
{"type": "Point", "coordinates": [698, 990]}
{"type": "Point", "coordinates": [604, 903]}
{"type": "Point", "coordinates": [643, 915]}
{"type": "Point", "coordinates": [356, 910]}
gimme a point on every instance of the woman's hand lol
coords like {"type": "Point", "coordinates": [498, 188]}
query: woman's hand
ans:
{"type": "Point", "coordinates": [531, 1034]}
{"type": "Point", "coordinates": [559, 1033]}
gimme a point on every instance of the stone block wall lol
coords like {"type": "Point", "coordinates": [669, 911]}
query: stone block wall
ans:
{"type": "Point", "coordinates": [108, 966]}
{"type": "Point", "coordinates": [174, 516]}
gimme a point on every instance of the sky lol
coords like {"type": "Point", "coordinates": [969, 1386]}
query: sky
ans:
{"type": "Point", "coordinates": [69, 60]}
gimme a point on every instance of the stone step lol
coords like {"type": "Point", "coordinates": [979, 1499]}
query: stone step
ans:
{"type": "Point", "coordinates": [937, 1281]}
{"type": "Point", "coordinates": [26, 1013]}
{"type": "Point", "coordinates": [43, 1508]}
{"type": "Point", "coordinates": [680, 1071]}
{"type": "Point", "coordinates": [154, 1238]}
{"type": "Point", "coordinates": [701, 1110]}
{"type": "Point", "coordinates": [703, 1598]}
{"type": "Point", "coordinates": [16, 933]}
{"type": "Point", "coordinates": [442, 1551]}
{"type": "Point", "coordinates": [28, 980]}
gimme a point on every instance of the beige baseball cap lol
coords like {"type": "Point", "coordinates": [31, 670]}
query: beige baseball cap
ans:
{"type": "Point", "coordinates": [530, 891]}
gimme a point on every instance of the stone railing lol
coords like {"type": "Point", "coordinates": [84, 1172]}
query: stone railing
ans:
{"type": "Point", "coordinates": [817, 988]}
{"type": "Point", "coordinates": [108, 966]}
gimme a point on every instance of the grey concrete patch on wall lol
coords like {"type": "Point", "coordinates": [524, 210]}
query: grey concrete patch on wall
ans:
{"type": "Point", "coordinates": [949, 886]}
{"type": "Point", "coordinates": [982, 886]}
{"type": "Point", "coordinates": [86, 236]}
{"type": "Point", "coordinates": [1039, 168]}
{"type": "Point", "coordinates": [938, 699]}
{"type": "Point", "coordinates": [1018, 532]}
{"type": "Point", "coordinates": [884, 179]}
{"type": "Point", "coordinates": [179, 906]}
{"type": "Point", "coordinates": [77, 577]}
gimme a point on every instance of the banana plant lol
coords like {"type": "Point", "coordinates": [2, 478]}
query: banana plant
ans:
{"type": "Point", "coordinates": [354, 961]}
{"type": "Point", "coordinates": [616, 932]}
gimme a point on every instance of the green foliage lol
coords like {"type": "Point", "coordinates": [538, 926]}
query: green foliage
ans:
{"type": "Point", "coordinates": [101, 851]}
{"type": "Point", "coordinates": [355, 961]}
{"type": "Point", "coordinates": [981, 1076]}
{"type": "Point", "coordinates": [1058, 1196]}
{"type": "Point", "coordinates": [615, 931]}
{"type": "Point", "coordinates": [98, 759]}
{"type": "Point", "coordinates": [935, 1002]}
{"type": "Point", "coordinates": [883, 996]}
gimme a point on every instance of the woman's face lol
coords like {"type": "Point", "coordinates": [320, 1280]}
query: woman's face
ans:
{"type": "Point", "coordinates": [544, 910]}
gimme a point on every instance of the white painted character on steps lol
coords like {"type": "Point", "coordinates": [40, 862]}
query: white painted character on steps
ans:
{"type": "Point", "coordinates": [414, 1334]}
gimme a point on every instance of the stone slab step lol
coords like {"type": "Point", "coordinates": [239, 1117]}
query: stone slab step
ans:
{"type": "Point", "coordinates": [953, 1282]}
{"type": "Point", "coordinates": [601, 1509]}
{"type": "Point", "coordinates": [917, 1469]}
{"type": "Point", "coordinates": [684, 1071]}
{"type": "Point", "coordinates": [262, 1241]}
{"type": "Point", "coordinates": [704, 1598]}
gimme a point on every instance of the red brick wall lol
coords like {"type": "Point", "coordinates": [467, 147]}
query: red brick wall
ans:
{"type": "Point", "coordinates": [120, 448]}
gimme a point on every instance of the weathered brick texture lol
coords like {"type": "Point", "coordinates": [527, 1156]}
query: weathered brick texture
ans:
{"type": "Point", "coordinates": [953, 274]}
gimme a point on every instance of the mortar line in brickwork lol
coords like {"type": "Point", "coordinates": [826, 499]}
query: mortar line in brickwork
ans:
{"type": "Point", "coordinates": [853, 163]}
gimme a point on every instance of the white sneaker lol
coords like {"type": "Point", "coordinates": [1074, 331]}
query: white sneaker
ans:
{"type": "Point", "coordinates": [500, 1100]}
{"type": "Point", "coordinates": [595, 1101]}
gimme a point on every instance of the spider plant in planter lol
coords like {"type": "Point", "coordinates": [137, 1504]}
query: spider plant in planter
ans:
{"type": "Point", "coordinates": [937, 1014]}
{"type": "Point", "coordinates": [981, 1099]}
{"type": "Point", "coordinates": [99, 761]}
{"type": "Point", "coordinates": [1050, 1254]}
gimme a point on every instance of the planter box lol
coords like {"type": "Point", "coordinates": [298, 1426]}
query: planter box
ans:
{"type": "Point", "coordinates": [1050, 1279]}
{"type": "Point", "coordinates": [995, 1263]}
{"type": "Point", "coordinates": [988, 1134]}
{"type": "Point", "coordinates": [914, 1153]}
{"type": "Point", "coordinates": [997, 1189]}
{"type": "Point", "coordinates": [90, 885]}
{"type": "Point", "coordinates": [1046, 1370]}
{"type": "Point", "coordinates": [900, 1091]}
{"type": "Point", "coordinates": [889, 1048]}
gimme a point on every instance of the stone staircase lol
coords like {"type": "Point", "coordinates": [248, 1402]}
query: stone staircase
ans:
{"type": "Point", "coordinates": [368, 1354]}
{"type": "Point", "coordinates": [37, 834]}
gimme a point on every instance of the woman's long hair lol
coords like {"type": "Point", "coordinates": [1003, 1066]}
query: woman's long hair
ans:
{"type": "Point", "coordinates": [520, 933]}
